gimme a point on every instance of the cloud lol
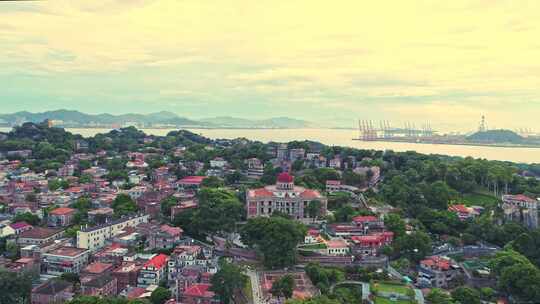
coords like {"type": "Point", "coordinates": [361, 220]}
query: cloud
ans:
{"type": "Point", "coordinates": [295, 57]}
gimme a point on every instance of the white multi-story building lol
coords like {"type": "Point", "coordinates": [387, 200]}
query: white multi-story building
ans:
{"type": "Point", "coordinates": [93, 238]}
{"type": "Point", "coordinates": [153, 271]}
{"type": "Point", "coordinates": [521, 208]}
{"type": "Point", "coordinates": [65, 260]}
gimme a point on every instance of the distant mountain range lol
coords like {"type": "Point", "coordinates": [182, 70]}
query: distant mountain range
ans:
{"type": "Point", "coordinates": [69, 118]}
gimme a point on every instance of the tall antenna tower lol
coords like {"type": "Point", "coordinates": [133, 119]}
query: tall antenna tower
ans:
{"type": "Point", "coordinates": [482, 127]}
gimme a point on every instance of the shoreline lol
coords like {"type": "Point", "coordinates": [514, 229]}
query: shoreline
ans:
{"type": "Point", "coordinates": [472, 144]}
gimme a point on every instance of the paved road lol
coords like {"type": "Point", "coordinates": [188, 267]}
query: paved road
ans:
{"type": "Point", "coordinates": [418, 296]}
{"type": "Point", "coordinates": [255, 287]}
{"type": "Point", "coordinates": [393, 272]}
{"type": "Point", "coordinates": [366, 291]}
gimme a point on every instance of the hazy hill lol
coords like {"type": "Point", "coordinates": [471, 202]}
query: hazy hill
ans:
{"type": "Point", "coordinates": [496, 136]}
{"type": "Point", "coordinates": [72, 118]}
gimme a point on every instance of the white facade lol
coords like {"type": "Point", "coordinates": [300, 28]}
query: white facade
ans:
{"type": "Point", "coordinates": [95, 237]}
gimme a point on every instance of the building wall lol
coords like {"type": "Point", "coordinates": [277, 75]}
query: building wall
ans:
{"type": "Point", "coordinates": [95, 238]}
{"type": "Point", "coordinates": [295, 207]}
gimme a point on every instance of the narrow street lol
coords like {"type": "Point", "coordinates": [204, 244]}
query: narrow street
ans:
{"type": "Point", "coordinates": [255, 287]}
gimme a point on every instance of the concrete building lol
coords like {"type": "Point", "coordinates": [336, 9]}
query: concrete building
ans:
{"type": "Point", "coordinates": [436, 271]}
{"type": "Point", "coordinates": [126, 274]}
{"type": "Point", "coordinates": [104, 285]}
{"type": "Point", "coordinates": [199, 294]}
{"type": "Point", "coordinates": [65, 260]}
{"type": "Point", "coordinates": [93, 238]}
{"type": "Point", "coordinates": [52, 292]}
{"type": "Point", "coordinates": [60, 217]}
{"type": "Point", "coordinates": [521, 208]}
{"type": "Point", "coordinates": [297, 154]}
{"type": "Point", "coordinates": [284, 197]}
{"type": "Point", "coordinates": [153, 271]}
{"type": "Point", "coordinates": [160, 236]}
{"type": "Point", "coordinates": [39, 235]}
{"type": "Point", "coordinates": [255, 168]}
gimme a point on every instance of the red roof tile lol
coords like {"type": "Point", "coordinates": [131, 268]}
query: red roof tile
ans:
{"type": "Point", "coordinates": [199, 291]}
{"type": "Point", "coordinates": [62, 211]}
{"type": "Point", "coordinates": [308, 193]}
{"type": "Point", "coordinates": [98, 267]}
{"type": "Point", "coordinates": [364, 218]}
{"type": "Point", "coordinates": [20, 225]}
{"type": "Point", "coordinates": [158, 261]}
{"type": "Point", "coordinates": [192, 180]}
{"type": "Point", "coordinates": [284, 178]}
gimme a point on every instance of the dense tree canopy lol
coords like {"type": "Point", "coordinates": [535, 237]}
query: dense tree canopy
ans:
{"type": "Point", "coordinates": [228, 280]}
{"type": "Point", "coordinates": [219, 210]}
{"type": "Point", "coordinates": [275, 237]}
{"type": "Point", "coordinates": [124, 205]}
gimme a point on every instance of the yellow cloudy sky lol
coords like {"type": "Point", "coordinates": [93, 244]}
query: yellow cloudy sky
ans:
{"type": "Point", "coordinates": [448, 62]}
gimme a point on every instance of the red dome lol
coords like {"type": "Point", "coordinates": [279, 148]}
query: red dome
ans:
{"type": "Point", "coordinates": [284, 178]}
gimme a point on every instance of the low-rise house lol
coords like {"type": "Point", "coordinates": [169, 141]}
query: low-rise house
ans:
{"type": "Point", "coordinates": [297, 154]}
{"type": "Point", "coordinates": [368, 223]}
{"type": "Point", "coordinates": [65, 260]}
{"type": "Point", "coordinates": [183, 206]}
{"type": "Point", "coordinates": [52, 292]}
{"type": "Point", "coordinates": [126, 274]}
{"type": "Point", "coordinates": [370, 245]}
{"type": "Point", "coordinates": [218, 162]}
{"type": "Point", "coordinates": [199, 294]}
{"type": "Point", "coordinates": [104, 285]}
{"type": "Point", "coordinates": [312, 236]}
{"type": "Point", "coordinates": [25, 264]}
{"type": "Point", "coordinates": [333, 186]}
{"type": "Point", "coordinates": [61, 217]}
{"type": "Point", "coordinates": [6, 230]}
{"type": "Point", "coordinates": [39, 235]}
{"type": "Point", "coordinates": [255, 168]}
{"type": "Point", "coordinates": [337, 247]}
{"type": "Point", "coordinates": [160, 236]}
{"type": "Point", "coordinates": [100, 215]}
{"type": "Point", "coordinates": [188, 276]}
{"type": "Point", "coordinates": [464, 212]}
{"type": "Point", "coordinates": [190, 182]}
{"type": "Point", "coordinates": [191, 256]}
{"type": "Point", "coordinates": [98, 268]}
{"type": "Point", "coordinates": [436, 271]}
{"type": "Point", "coordinates": [153, 271]}
{"type": "Point", "coordinates": [344, 230]}
{"type": "Point", "coordinates": [113, 253]}
{"type": "Point", "coordinates": [335, 163]}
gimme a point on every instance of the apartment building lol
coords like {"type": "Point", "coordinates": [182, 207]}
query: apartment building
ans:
{"type": "Point", "coordinates": [93, 238]}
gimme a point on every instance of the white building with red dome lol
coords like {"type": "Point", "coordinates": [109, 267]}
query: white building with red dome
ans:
{"type": "Point", "coordinates": [285, 197]}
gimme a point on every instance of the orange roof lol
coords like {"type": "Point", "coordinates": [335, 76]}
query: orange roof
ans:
{"type": "Point", "coordinates": [310, 194]}
{"type": "Point", "coordinates": [62, 211]}
{"type": "Point", "coordinates": [459, 208]}
{"type": "Point", "coordinates": [199, 291]}
{"type": "Point", "coordinates": [260, 192]}
{"type": "Point", "coordinates": [98, 267]}
{"type": "Point", "coordinates": [366, 218]}
{"type": "Point", "coordinates": [440, 263]}
{"type": "Point", "coordinates": [158, 261]}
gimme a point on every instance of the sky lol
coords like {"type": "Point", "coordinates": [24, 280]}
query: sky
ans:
{"type": "Point", "coordinates": [332, 62]}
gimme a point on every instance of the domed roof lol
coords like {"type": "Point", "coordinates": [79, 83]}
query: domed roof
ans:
{"type": "Point", "coordinates": [284, 178]}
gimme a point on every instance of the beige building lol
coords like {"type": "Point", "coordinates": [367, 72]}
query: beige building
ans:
{"type": "Point", "coordinates": [284, 197]}
{"type": "Point", "coordinates": [93, 238]}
